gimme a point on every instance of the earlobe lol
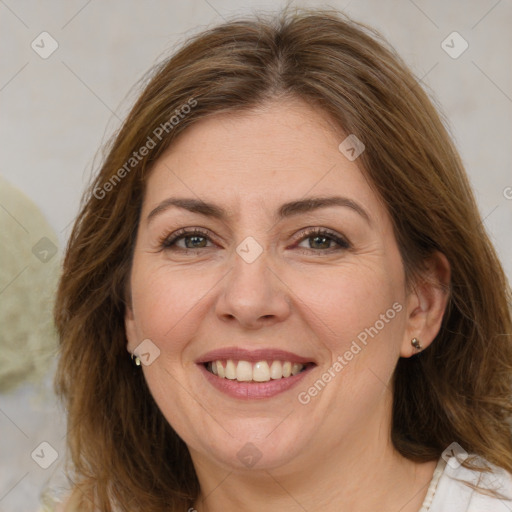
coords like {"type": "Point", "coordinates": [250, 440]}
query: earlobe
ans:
{"type": "Point", "coordinates": [129, 327]}
{"type": "Point", "coordinates": [426, 305]}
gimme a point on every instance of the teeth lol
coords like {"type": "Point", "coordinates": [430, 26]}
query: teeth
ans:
{"type": "Point", "coordinates": [244, 371]}
{"type": "Point", "coordinates": [296, 368]}
{"type": "Point", "coordinates": [261, 372]}
{"type": "Point", "coordinates": [230, 370]}
{"type": "Point", "coordinates": [276, 370]}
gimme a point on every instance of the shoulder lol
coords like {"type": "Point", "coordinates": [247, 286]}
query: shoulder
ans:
{"type": "Point", "coordinates": [467, 490]}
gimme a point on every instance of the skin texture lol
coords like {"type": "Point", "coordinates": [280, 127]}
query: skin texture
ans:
{"type": "Point", "coordinates": [333, 453]}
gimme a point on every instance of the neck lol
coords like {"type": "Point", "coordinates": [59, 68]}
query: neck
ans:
{"type": "Point", "coordinates": [362, 472]}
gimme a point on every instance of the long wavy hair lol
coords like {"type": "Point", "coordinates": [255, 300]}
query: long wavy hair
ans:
{"type": "Point", "coordinates": [124, 454]}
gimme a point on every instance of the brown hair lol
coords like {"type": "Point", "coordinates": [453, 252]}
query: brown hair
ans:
{"type": "Point", "coordinates": [123, 451]}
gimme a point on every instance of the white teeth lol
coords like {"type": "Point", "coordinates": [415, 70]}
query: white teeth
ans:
{"type": "Point", "coordinates": [230, 370]}
{"type": "Point", "coordinates": [220, 370]}
{"type": "Point", "coordinates": [276, 370]}
{"type": "Point", "coordinates": [261, 371]}
{"type": "Point", "coordinates": [243, 371]}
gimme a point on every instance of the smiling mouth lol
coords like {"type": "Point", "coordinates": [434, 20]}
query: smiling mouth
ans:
{"type": "Point", "coordinates": [259, 371]}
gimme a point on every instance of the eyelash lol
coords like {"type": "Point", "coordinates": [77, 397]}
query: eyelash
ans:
{"type": "Point", "coordinates": [169, 241]}
{"type": "Point", "coordinates": [343, 244]}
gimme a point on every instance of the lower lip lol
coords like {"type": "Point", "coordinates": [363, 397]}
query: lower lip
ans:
{"type": "Point", "coordinates": [253, 390]}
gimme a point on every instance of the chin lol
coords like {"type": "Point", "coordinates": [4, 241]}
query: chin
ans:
{"type": "Point", "coordinates": [262, 445]}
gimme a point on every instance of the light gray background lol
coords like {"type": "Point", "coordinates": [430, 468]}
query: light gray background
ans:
{"type": "Point", "coordinates": [56, 112]}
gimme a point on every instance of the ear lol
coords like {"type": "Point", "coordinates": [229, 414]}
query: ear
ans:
{"type": "Point", "coordinates": [130, 329]}
{"type": "Point", "coordinates": [426, 304]}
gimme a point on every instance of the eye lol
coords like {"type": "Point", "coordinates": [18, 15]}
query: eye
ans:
{"type": "Point", "coordinates": [323, 240]}
{"type": "Point", "coordinates": [185, 239]}
{"type": "Point", "coordinates": [316, 240]}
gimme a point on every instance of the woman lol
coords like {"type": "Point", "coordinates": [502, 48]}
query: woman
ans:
{"type": "Point", "coordinates": [279, 294]}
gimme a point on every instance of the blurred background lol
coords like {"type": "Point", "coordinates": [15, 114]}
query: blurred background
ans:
{"type": "Point", "coordinates": [68, 76]}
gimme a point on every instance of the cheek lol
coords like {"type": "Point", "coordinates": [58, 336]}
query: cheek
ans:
{"type": "Point", "coordinates": [359, 317]}
{"type": "Point", "coordinates": [166, 304]}
{"type": "Point", "coordinates": [359, 303]}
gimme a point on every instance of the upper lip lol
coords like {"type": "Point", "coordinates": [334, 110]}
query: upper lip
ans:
{"type": "Point", "coordinates": [262, 354]}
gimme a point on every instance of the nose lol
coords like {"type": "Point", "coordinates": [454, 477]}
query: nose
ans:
{"type": "Point", "coordinates": [253, 295]}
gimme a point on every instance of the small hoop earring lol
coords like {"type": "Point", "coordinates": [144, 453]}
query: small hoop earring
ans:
{"type": "Point", "coordinates": [415, 342]}
{"type": "Point", "coordinates": [136, 360]}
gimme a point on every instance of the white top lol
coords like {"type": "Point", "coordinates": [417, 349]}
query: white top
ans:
{"type": "Point", "coordinates": [448, 491]}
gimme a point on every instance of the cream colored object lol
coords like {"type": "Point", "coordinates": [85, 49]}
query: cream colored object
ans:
{"type": "Point", "coordinates": [29, 266]}
{"type": "Point", "coordinates": [453, 489]}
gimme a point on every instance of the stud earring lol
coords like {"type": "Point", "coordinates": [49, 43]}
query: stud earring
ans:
{"type": "Point", "coordinates": [136, 360]}
{"type": "Point", "coordinates": [415, 342]}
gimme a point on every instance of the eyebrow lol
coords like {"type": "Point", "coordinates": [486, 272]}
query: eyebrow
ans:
{"type": "Point", "coordinates": [286, 210]}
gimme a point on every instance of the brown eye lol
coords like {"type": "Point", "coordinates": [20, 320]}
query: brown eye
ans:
{"type": "Point", "coordinates": [186, 239]}
{"type": "Point", "coordinates": [319, 242]}
{"type": "Point", "coordinates": [194, 241]}
{"type": "Point", "coordinates": [322, 240]}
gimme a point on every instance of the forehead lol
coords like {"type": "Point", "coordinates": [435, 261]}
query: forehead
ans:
{"type": "Point", "coordinates": [278, 152]}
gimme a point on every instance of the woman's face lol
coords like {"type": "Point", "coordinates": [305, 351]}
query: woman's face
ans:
{"type": "Point", "coordinates": [262, 250]}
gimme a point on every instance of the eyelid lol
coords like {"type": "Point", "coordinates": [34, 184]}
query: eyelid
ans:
{"type": "Point", "coordinates": [169, 239]}
{"type": "Point", "coordinates": [341, 240]}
